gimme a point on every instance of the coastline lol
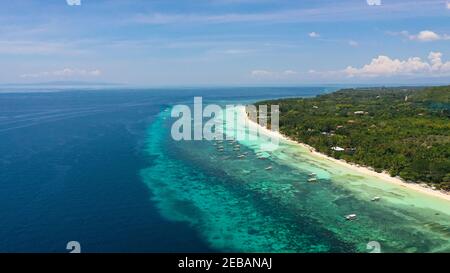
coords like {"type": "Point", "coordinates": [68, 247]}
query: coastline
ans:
{"type": "Point", "coordinates": [361, 169]}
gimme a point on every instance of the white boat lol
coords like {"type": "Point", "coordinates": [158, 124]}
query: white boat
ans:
{"type": "Point", "coordinates": [241, 156]}
{"type": "Point", "coordinates": [268, 168]}
{"type": "Point", "coordinates": [312, 174]}
{"type": "Point", "coordinates": [350, 217]}
{"type": "Point", "coordinates": [376, 198]}
{"type": "Point", "coordinates": [312, 180]}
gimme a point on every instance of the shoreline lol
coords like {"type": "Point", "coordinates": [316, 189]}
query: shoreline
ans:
{"type": "Point", "coordinates": [364, 170]}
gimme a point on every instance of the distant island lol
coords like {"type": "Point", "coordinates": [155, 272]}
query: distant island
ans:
{"type": "Point", "coordinates": [404, 131]}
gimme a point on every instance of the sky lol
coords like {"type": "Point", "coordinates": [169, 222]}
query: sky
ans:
{"type": "Point", "coordinates": [225, 42]}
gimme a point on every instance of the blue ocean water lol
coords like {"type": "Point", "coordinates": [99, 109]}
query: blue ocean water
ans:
{"type": "Point", "coordinates": [224, 190]}
{"type": "Point", "coordinates": [71, 166]}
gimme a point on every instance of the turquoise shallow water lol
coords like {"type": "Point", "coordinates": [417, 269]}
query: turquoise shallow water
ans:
{"type": "Point", "coordinates": [235, 204]}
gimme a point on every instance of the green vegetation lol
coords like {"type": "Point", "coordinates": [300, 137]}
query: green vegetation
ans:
{"type": "Point", "coordinates": [404, 131]}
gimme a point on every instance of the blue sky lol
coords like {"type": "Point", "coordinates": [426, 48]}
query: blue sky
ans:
{"type": "Point", "coordinates": [225, 42]}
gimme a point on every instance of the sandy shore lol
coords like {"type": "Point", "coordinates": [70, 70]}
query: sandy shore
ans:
{"type": "Point", "coordinates": [364, 170]}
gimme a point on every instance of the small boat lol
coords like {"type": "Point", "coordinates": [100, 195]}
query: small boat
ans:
{"type": "Point", "coordinates": [268, 168]}
{"type": "Point", "coordinates": [312, 174]}
{"type": "Point", "coordinates": [350, 217]}
{"type": "Point", "coordinates": [241, 156]}
{"type": "Point", "coordinates": [376, 198]}
{"type": "Point", "coordinates": [312, 180]}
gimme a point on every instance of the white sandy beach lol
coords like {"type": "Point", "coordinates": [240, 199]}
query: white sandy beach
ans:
{"type": "Point", "coordinates": [360, 169]}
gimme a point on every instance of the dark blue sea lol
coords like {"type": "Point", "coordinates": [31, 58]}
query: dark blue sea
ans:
{"type": "Point", "coordinates": [71, 162]}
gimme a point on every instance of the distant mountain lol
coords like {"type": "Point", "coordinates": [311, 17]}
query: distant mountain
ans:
{"type": "Point", "coordinates": [63, 83]}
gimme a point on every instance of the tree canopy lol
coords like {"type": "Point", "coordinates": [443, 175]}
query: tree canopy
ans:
{"type": "Point", "coordinates": [404, 130]}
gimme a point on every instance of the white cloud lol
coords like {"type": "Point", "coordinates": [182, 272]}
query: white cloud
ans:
{"type": "Point", "coordinates": [330, 12]}
{"type": "Point", "coordinates": [428, 36]}
{"type": "Point", "coordinates": [448, 5]}
{"type": "Point", "coordinates": [414, 66]}
{"type": "Point", "coordinates": [314, 34]}
{"type": "Point", "coordinates": [235, 51]}
{"type": "Point", "coordinates": [289, 72]}
{"type": "Point", "coordinates": [33, 47]}
{"type": "Point", "coordinates": [353, 43]}
{"type": "Point", "coordinates": [422, 36]}
{"type": "Point", "coordinates": [268, 74]}
{"type": "Point", "coordinates": [64, 73]}
{"type": "Point", "coordinates": [261, 73]}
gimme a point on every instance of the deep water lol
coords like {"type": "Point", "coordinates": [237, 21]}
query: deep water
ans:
{"type": "Point", "coordinates": [78, 165]}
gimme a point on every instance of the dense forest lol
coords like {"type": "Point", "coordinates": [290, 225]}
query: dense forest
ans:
{"type": "Point", "coordinates": [404, 131]}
